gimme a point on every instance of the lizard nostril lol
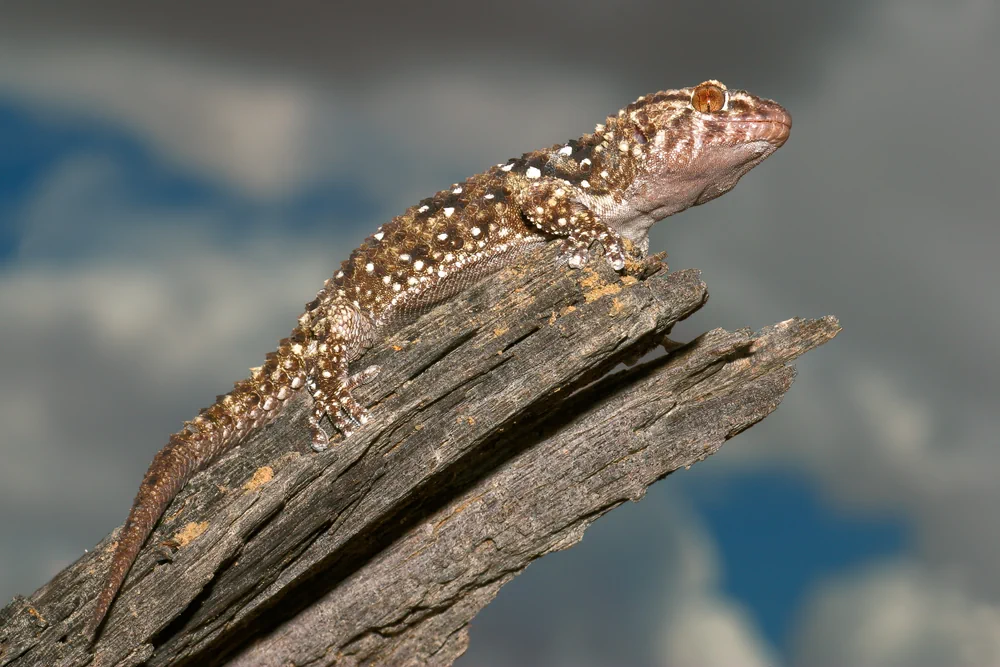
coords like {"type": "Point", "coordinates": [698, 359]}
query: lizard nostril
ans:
{"type": "Point", "coordinates": [639, 137]}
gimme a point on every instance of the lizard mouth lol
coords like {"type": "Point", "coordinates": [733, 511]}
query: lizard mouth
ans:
{"type": "Point", "coordinates": [773, 127]}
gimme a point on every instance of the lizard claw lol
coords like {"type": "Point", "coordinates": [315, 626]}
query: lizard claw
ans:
{"type": "Point", "coordinates": [363, 377]}
{"type": "Point", "coordinates": [615, 256]}
{"type": "Point", "coordinates": [576, 252]}
{"type": "Point", "coordinates": [345, 413]}
{"type": "Point", "coordinates": [346, 405]}
{"type": "Point", "coordinates": [320, 440]}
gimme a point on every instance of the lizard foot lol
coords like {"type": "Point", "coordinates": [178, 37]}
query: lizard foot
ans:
{"type": "Point", "coordinates": [613, 249]}
{"type": "Point", "coordinates": [345, 413]}
{"type": "Point", "coordinates": [556, 208]}
{"type": "Point", "coordinates": [577, 252]}
{"type": "Point", "coordinates": [363, 377]}
{"type": "Point", "coordinates": [334, 400]}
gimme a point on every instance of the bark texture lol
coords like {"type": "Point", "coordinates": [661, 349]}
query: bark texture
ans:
{"type": "Point", "coordinates": [498, 436]}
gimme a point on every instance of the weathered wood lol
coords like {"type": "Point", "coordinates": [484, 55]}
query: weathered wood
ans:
{"type": "Point", "coordinates": [495, 440]}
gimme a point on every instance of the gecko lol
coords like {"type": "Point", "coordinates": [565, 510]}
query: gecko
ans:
{"type": "Point", "coordinates": [660, 155]}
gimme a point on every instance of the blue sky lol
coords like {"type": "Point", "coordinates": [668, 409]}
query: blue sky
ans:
{"type": "Point", "coordinates": [777, 537]}
{"type": "Point", "coordinates": [226, 207]}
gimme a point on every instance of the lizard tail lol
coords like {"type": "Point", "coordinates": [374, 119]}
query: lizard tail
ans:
{"type": "Point", "coordinates": [253, 403]}
{"type": "Point", "coordinates": [155, 493]}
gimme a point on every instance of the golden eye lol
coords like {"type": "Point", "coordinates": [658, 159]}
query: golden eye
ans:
{"type": "Point", "coordinates": [708, 98]}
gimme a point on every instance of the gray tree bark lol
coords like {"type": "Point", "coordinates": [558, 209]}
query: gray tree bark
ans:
{"type": "Point", "coordinates": [498, 437]}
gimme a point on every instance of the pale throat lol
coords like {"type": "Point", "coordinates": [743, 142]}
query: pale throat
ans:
{"type": "Point", "coordinates": [647, 202]}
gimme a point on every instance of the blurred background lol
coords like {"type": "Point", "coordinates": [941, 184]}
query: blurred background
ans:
{"type": "Point", "coordinates": [176, 182]}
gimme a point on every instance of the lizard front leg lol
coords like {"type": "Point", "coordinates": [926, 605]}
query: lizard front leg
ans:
{"type": "Point", "coordinates": [556, 208]}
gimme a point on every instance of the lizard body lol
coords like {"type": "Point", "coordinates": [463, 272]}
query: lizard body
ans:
{"type": "Point", "coordinates": [658, 156]}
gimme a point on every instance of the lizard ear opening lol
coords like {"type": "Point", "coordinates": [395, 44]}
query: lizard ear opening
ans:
{"type": "Point", "coordinates": [710, 97]}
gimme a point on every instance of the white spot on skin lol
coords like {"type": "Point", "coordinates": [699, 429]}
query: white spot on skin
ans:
{"type": "Point", "coordinates": [442, 274]}
{"type": "Point", "coordinates": [604, 174]}
{"type": "Point", "coordinates": [476, 231]}
{"type": "Point", "coordinates": [340, 274]}
{"type": "Point", "coordinates": [419, 264]}
{"type": "Point", "coordinates": [488, 197]}
{"type": "Point", "coordinates": [533, 172]}
{"type": "Point", "coordinates": [369, 267]}
{"type": "Point", "coordinates": [449, 257]}
{"type": "Point", "coordinates": [585, 184]}
{"type": "Point", "coordinates": [442, 236]}
{"type": "Point", "coordinates": [448, 211]}
{"type": "Point", "coordinates": [507, 167]}
{"type": "Point", "coordinates": [386, 279]}
{"type": "Point", "coordinates": [411, 281]}
{"type": "Point", "coordinates": [457, 191]}
{"type": "Point", "coordinates": [396, 287]}
{"type": "Point", "coordinates": [379, 235]}
{"type": "Point", "coordinates": [565, 150]}
{"type": "Point", "coordinates": [562, 222]}
{"type": "Point", "coordinates": [623, 147]}
{"type": "Point", "coordinates": [404, 257]}
{"type": "Point", "coordinates": [422, 209]}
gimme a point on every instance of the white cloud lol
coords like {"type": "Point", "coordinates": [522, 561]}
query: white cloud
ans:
{"type": "Point", "coordinates": [899, 615]}
{"type": "Point", "coordinates": [262, 133]}
{"type": "Point", "coordinates": [701, 625]}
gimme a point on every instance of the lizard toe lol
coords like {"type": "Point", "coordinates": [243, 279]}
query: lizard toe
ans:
{"type": "Point", "coordinates": [320, 439]}
{"type": "Point", "coordinates": [363, 377]}
{"type": "Point", "coordinates": [576, 253]}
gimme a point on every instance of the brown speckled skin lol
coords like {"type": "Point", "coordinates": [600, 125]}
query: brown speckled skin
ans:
{"type": "Point", "coordinates": [658, 156]}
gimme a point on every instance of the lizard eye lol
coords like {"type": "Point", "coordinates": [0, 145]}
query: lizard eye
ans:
{"type": "Point", "coordinates": [709, 97]}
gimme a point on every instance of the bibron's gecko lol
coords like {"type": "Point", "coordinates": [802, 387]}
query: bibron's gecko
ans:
{"type": "Point", "coordinates": [658, 156]}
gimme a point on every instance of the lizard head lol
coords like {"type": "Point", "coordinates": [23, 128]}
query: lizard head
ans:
{"type": "Point", "coordinates": [690, 146]}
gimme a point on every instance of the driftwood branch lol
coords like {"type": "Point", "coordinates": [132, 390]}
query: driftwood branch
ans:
{"type": "Point", "coordinates": [498, 437]}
